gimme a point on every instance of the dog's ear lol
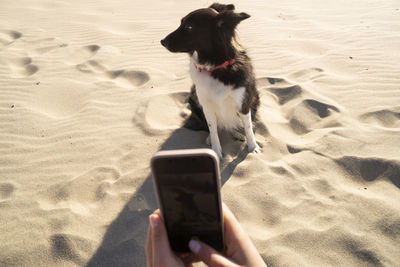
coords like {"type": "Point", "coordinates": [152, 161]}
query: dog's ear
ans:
{"type": "Point", "coordinates": [221, 7]}
{"type": "Point", "coordinates": [230, 19]}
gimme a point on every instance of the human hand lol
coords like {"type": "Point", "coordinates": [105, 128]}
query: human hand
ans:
{"type": "Point", "coordinates": [158, 250]}
{"type": "Point", "coordinates": [240, 251]}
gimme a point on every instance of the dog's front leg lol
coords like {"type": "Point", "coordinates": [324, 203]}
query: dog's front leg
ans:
{"type": "Point", "coordinates": [248, 129]}
{"type": "Point", "coordinates": [212, 127]}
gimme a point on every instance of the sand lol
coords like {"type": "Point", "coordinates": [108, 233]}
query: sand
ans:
{"type": "Point", "coordinates": [87, 95]}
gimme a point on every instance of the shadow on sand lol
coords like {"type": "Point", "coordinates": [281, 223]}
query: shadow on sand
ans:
{"type": "Point", "coordinates": [123, 243]}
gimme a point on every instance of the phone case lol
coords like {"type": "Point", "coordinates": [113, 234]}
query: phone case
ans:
{"type": "Point", "coordinates": [190, 153]}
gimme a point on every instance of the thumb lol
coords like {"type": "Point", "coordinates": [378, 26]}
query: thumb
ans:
{"type": "Point", "coordinates": [208, 255]}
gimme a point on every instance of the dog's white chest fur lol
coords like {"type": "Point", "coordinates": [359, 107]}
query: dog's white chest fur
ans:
{"type": "Point", "coordinates": [216, 98]}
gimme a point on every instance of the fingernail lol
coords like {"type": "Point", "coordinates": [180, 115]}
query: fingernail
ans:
{"type": "Point", "coordinates": [154, 220]}
{"type": "Point", "coordinates": [194, 246]}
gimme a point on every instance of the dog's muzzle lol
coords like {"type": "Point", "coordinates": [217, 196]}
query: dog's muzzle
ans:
{"type": "Point", "coordinates": [164, 42]}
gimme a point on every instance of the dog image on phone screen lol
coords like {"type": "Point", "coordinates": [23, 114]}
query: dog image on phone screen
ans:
{"type": "Point", "coordinates": [224, 94]}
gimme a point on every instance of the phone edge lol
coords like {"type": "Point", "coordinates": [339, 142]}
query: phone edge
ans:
{"type": "Point", "coordinates": [194, 152]}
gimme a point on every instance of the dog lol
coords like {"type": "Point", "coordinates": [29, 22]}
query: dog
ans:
{"type": "Point", "coordinates": [224, 94]}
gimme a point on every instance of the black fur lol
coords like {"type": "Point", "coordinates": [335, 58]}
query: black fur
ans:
{"type": "Point", "coordinates": [197, 120]}
{"type": "Point", "coordinates": [211, 33]}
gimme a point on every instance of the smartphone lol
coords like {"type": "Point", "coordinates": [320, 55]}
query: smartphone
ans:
{"type": "Point", "coordinates": [187, 185]}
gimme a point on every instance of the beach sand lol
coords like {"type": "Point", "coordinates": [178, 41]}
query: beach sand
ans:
{"type": "Point", "coordinates": [88, 95]}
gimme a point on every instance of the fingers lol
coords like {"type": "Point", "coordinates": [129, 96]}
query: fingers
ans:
{"type": "Point", "coordinates": [208, 255]}
{"type": "Point", "coordinates": [149, 244]}
{"type": "Point", "coordinates": [233, 232]}
{"type": "Point", "coordinates": [159, 238]}
{"type": "Point", "coordinates": [157, 211]}
{"type": "Point", "coordinates": [149, 255]}
{"type": "Point", "coordinates": [229, 217]}
{"type": "Point", "coordinates": [188, 259]}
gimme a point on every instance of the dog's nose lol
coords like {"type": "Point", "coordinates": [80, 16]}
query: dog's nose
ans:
{"type": "Point", "coordinates": [164, 42]}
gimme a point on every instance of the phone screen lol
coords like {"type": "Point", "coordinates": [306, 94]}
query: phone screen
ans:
{"type": "Point", "coordinates": [189, 196]}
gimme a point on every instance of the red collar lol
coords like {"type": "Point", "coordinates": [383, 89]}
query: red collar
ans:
{"type": "Point", "coordinates": [207, 69]}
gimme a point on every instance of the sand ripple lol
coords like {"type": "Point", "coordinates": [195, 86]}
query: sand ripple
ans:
{"type": "Point", "coordinates": [88, 95]}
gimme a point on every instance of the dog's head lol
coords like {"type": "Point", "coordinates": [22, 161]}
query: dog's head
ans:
{"type": "Point", "coordinates": [200, 29]}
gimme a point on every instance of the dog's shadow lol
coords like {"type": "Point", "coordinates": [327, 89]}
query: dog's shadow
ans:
{"type": "Point", "coordinates": [124, 241]}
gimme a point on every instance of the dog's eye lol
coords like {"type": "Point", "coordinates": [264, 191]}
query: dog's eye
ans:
{"type": "Point", "coordinates": [188, 27]}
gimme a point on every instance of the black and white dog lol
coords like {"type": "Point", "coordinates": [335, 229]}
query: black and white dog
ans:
{"type": "Point", "coordinates": [224, 94]}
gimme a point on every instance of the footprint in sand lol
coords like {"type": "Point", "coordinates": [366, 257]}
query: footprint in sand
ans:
{"type": "Point", "coordinates": [151, 118]}
{"type": "Point", "coordinates": [311, 114]}
{"type": "Point", "coordinates": [132, 77]}
{"type": "Point", "coordinates": [59, 102]}
{"type": "Point", "coordinates": [6, 190]}
{"type": "Point", "coordinates": [389, 226]}
{"type": "Point", "coordinates": [293, 149]}
{"type": "Point", "coordinates": [307, 75]}
{"type": "Point", "coordinates": [388, 118]}
{"type": "Point", "coordinates": [44, 45]}
{"type": "Point", "coordinates": [70, 248]}
{"type": "Point", "coordinates": [371, 169]}
{"type": "Point", "coordinates": [45, 49]}
{"type": "Point", "coordinates": [270, 81]}
{"type": "Point", "coordinates": [78, 193]}
{"type": "Point", "coordinates": [323, 110]}
{"type": "Point", "coordinates": [91, 66]}
{"type": "Point", "coordinates": [298, 106]}
{"type": "Point", "coordinates": [8, 37]}
{"type": "Point", "coordinates": [125, 78]}
{"type": "Point", "coordinates": [283, 90]}
{"type": "Point", "coordinates": [23, 67]}
{"type": "Point", "coordinates": [83, 53]}
{"type": "Point", "coordinates": [285, 94]}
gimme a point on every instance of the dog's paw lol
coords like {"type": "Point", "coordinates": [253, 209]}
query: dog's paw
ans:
{"type": "Point", "coordinates": [254, 149]}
